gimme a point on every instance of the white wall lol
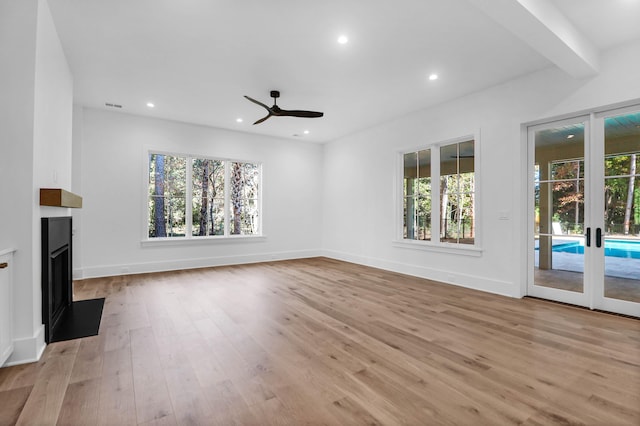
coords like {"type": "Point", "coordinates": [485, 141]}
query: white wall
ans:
{"type": "Point", "coordinates": [76, 181]}
{"type": "Point", "coordinates": [113, 149]}
{"type": "Point", "coordinates": [52, 136]}
{"type": "Point", "coordinates": [36, 141]}
{"type": "Point", "coordinates": [360, 172]}
{"type": "Point", "coordinates": [18, 22]}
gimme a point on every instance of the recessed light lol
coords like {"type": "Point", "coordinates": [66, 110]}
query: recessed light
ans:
{"type": "Point", "coordinates": [306, 132]}
{"type": "Point", "coordinates": [433, 77]}
{"type": "Point", "coordinates": [343, 39]}
{"type": "Point", "coordinates": [239, 120]}
{"type": "Point", "coordinates": [151, 104]}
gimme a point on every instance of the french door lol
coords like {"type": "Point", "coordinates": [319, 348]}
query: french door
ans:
{"type": "Point", "coordinates": [584, 239]}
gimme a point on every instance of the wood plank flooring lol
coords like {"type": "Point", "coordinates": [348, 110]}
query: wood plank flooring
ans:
{"type": "Point", "coordinates": [318, 341]}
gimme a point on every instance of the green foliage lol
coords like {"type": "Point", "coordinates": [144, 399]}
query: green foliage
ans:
{"type": "Point", "coordinates": [417, 208]}
{"type": "Point", "coordinates": [458, 214]}
{"type": "Point", "coordinates": [568, 193]}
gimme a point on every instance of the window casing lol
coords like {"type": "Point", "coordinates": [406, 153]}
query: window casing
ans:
{"type": "Point", "coordinates": [191, 197]}
{"type": "Point", "coordinates": [439, 194]}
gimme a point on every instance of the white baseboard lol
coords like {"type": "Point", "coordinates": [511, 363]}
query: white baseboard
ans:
{"type": "Point", "coordinates": [28, 349]}
{"type": "Point", "coordinates": [174, 265]}
{"type": "Point", "coordinates": [502, 288]}
{"type": "Point", "coordinates": [6, 354]}
{"type": "Point", "coordinates": [449, 277]}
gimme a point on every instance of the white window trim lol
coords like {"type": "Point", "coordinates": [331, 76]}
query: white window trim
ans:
{"type": "Point", "coordinates": [209, 239]}
{"type": "Point", "coordinates": [146, 241]}
{"type": "Point", "coordinates": [435, 245]}
{"type": "Point", "coordinates": [462, 249]}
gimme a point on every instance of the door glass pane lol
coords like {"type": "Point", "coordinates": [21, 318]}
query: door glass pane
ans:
{"type": "Point", "coordinates": [622, 207]}
{"type": "Point", "coordinates": [559, 208]}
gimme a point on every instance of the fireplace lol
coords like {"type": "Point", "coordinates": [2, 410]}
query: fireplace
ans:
{"type": "Point", "coordinates": [57, 295]}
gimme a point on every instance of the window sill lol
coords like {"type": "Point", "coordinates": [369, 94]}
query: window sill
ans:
{"type": "Point", "coordinates": [156, 242]}
{"type": "Point", "coordinates": [459, 249]}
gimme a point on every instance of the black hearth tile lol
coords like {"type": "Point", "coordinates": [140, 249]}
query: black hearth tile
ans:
{"type": "Point", "coordinates": [82, 319]}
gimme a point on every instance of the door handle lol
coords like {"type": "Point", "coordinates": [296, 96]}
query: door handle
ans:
{"type": "Point", "coordinates": [588, 236]}
{"type": "Point", "coordinates": [598, 237]}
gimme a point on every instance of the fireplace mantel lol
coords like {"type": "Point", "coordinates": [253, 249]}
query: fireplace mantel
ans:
{"type": "Point", "coordinates": [57, 197]}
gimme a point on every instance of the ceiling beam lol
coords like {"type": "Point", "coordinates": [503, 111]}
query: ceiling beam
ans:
{"type": "Point", "coordinates": [546, 29]}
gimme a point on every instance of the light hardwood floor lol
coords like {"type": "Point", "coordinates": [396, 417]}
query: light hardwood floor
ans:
{"type": "Point", "coordinates": [318, 341]}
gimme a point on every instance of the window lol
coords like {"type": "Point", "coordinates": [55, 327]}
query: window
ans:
{"type": "Point", "coordinates": [192, 197]}
{"type": "Point", "coordinates": [457, 193]}
{"type": "Point", "coordinates": [439, 195]}
{"type": "Point", "coordinates": [417, 195]}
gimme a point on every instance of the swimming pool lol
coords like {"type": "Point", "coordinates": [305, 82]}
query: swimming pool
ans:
{"type": "Point", "coordinates": [614, 248]}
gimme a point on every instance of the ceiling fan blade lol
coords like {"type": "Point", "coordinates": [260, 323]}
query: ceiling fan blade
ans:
{"type": "Point", "coordinates": [263, 118]}
{"type": "Point", "coordinates": [301, 113]}
{"type": "Point", "coordinates": [259, 103]}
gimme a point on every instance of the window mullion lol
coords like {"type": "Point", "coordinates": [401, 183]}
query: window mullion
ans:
{"type": "Point", "coordinates": [259, 195]}
{"type": "Point", "coordinates": [435, 195]}
{"type": "Point", "coordinates": [227, 199]}
{"type": "Point", "coordinates": [459, 193]}
{"type": "Point", "coordinates": [189, 201]}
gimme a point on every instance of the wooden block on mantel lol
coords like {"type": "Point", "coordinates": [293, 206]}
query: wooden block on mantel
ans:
{"type": "Point", "coordinates": [57, 197]}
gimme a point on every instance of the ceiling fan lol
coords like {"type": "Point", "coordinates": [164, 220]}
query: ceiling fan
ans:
{"type": "Point", "coordinates": [276, 111]}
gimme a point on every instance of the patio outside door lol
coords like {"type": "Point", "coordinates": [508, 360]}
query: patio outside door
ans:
{"type": "Point", "coordinates": [584, 247]}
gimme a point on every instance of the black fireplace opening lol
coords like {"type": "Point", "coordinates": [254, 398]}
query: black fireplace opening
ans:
{"type": "Point", "coordinates": [57, 290]}
{"type": "Point", "coordinates": [63, 318]}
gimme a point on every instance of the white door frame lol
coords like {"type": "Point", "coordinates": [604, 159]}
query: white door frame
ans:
{"type": "Point", "coordinates": [585, 297]}
{"type": "Point", "coordinates": [600, 301]}
{"type": "Point", "coordinates": [593, 295]}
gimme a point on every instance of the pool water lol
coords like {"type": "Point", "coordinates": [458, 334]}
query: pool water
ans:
{"type": "Point", "coordinates": [614, 248]}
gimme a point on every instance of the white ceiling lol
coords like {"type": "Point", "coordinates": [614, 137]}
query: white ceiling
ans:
{"type": "Point", "coordinates": [606, 23]}
{"type": "Point", "coordinates": [195, 59]}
